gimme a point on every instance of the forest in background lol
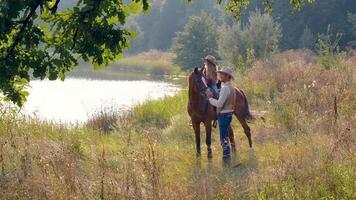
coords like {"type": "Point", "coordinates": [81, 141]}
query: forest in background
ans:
{"type": "Point", "coordinates": [157, 28]}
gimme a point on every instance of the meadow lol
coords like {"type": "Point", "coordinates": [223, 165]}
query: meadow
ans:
{"type": "Point", "coordinates": [304, 150]}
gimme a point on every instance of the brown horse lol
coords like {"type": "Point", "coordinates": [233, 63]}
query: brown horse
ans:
{"type": "Point", "coordinates": [201, 111]}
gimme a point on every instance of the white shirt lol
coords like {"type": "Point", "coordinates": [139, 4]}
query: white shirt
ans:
{"type": "Point", "coordinates": [224, 94]}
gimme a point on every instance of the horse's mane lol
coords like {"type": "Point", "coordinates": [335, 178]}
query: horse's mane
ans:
{"type": "Point", "coordinates": [197, 103]}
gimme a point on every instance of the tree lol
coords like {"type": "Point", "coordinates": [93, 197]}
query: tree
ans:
{"type": "Point", "coordinates": [172, 19]}
{"type": "Point", "coordinates": [232, 43]}
{"type": "Point", "coordinates": [261, 35]}
{"type": "Point", "coordinates": [328, 48]}
{"type": "Point", "coordinates": [307, 39]}
{"type": "Point", "coordinates": [317, 17]}
{"type": "Point", "coordinates": [352, 21]}
{"type": "Point", "coordinates": [198, 39]}
{"type": "Point", "coordinates": [36, 37]}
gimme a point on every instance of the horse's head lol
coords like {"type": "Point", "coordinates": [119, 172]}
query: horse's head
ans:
{"type": "Point", "coordinates": [197, 79]}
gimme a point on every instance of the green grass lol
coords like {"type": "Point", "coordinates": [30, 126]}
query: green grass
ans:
{"type": "Point", "coordinates": [153, 63]}
{"type": "Point", "coordinates": [300, 152]}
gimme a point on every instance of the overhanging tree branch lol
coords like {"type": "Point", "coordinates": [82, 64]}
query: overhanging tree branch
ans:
{"type": "Point", "coordinates": [54, 7]}
{"type": "Point", "coordinates": [19, 35]}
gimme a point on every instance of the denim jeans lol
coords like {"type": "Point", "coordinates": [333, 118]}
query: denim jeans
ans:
{"type": "Point", "coordinates": [215, 90]}
{"type": "Point", "coordinates": [224, 120]}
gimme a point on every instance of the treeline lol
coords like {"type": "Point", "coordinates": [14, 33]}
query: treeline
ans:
{"type": "Point", "coordinates": [157, 28]}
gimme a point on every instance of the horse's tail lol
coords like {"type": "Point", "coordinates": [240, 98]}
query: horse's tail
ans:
{"type": "Point", "coordinates": [246, 112]}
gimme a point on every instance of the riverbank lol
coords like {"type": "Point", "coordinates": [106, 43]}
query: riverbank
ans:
{"type": "Point", "coordinates": [147, 65]}
{"type": "Point", "coordinates": [305, 149]}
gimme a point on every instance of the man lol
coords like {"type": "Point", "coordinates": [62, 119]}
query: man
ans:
{"type": "Point", "coordinates": [225, 107]}
{"type": "Point", "coordinates": [210, 68]}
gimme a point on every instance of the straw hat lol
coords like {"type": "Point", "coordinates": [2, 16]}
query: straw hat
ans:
{"type": "Point", "coordinates": [227, 70]}
{"type": "Point", "coordinates": [210, 59]}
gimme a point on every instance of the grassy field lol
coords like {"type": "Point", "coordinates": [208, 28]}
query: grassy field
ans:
{"type": "Point", "coordinates": [153, 63]}
{"type": "Point", "coordinates": [305, 149]}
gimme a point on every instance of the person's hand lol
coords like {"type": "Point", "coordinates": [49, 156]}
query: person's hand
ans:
{"type": "Point", "coordinates": [208, 93]}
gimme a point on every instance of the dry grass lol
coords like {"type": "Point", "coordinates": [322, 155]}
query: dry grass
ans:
{"type": "Point", "coordinates": [305, 149]}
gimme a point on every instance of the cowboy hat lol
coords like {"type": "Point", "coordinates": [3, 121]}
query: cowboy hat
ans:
{"type": "Point", "coordinates": [226, 70]}
{"type": "Point", "coordinates": [210, 59]}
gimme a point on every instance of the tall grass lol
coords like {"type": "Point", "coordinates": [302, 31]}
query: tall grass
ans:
{"type": "Point", "coordinates": [305, 149]}
{"type": "Point", "coordinates": [153, 113]}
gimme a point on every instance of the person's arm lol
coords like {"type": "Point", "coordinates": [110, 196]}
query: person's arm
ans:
{"type": "Point", "coordinates": [224, 94]}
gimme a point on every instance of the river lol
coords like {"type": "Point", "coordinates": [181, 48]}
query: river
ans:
{"type": "Point", "coordinates": [74, 99]}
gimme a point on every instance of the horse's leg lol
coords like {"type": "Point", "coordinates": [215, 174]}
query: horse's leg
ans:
{"type": "Point", "coordinates": [246, 128]}
{"type": "Point", "coordinates": [196, 127]}
{"type": "Point", "coordinates": [232, 139]}
{"type": "Point", "coordinates": [208, 137]}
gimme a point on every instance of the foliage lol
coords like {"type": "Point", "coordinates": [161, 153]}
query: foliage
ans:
{"type": "Point", "coordinates": [352, 21]}
{"type": "Point", "coordinates": [156, 28]}
{"type": "Point", "coordinates": [236, 6]}
{"type": "Point", "coordinates": [165, 19]}
{"type": "Point", "coordinates": [263, 34]}
{"type": "Point", "coordinates": [232, 42]}
{"type": "Point", "coordinates": [198, 39]}
{"type": "Point", "coordinates": [328, 48]}
{"type": "Point", "coordinates": [259, 38]}
{"type": "Point", "coordinates": [316, 16]}
{"type": "Point", "coordinates": [171, 11]}
{"type": "Point", "coordinates": [307, 39]}
{"type": "Point", "coordinates": [39, 38]}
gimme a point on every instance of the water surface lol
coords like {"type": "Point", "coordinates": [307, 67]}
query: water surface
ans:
{"type": "Point", "coordinates": [73, 100]}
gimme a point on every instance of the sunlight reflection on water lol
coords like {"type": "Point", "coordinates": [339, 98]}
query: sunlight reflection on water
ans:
{"type": "Point", "coordinates": [73, 100]}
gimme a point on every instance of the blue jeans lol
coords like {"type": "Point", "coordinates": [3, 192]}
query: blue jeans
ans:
{"type": "Point", "coordinates": [215, 90]}
{"type": "Point", "coordinates": [224, 120]}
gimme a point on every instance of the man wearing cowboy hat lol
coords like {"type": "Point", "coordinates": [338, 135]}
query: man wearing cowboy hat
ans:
{"type": "Point", "coordinates": [225, 107]}
{"type": "Point", "coordinates": [210, 71]}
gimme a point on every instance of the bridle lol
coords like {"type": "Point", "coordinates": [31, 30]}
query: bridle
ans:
{"type": "Point", "coordinates": [200, 85]}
